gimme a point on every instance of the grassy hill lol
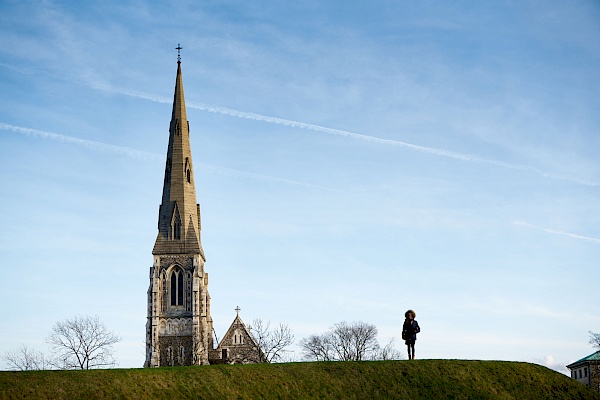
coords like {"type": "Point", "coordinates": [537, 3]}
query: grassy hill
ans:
{"type": "Point", "coordinates": [442, 379]}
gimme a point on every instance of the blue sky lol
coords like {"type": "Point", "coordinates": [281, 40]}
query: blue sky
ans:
{"type": "Point", "coordinates": [353, 160]}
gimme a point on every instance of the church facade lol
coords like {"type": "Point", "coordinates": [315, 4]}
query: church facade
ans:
{"type": "Point", "coordinates": [238, 346]}
{"type": "Point", "coordinates": [179, 327]}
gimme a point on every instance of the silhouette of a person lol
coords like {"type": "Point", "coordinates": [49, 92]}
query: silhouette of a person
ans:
{"type": "Point", "coordinates": [409, 332]}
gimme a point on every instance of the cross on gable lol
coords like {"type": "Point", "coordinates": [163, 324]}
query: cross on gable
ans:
{"type": "Point", "coordinates": [237, 310]}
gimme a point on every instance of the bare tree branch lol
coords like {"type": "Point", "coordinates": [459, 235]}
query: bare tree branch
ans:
{"type": "Point", "coordinates": [594, 339]}
{"type": "Point", "coordinates": [344, 341]}
{"type": "Point", "coordinates": [389, 352]}
{"type": "Point", "coordinates": [274, 343]}
{"type": "Point", "coordinates": [25, 359]}
{"type": "Point", "coordinates": [82, 343]}
{"type": "Point", "coordinates": [317, 347]}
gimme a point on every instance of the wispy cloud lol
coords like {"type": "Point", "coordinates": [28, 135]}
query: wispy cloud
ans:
{"type": "Point", "coordinates": [312, 127]}
{"type": "Point", "coordinates": [81, 142]}
{"type": "Point", "coordinates": [140, 154]}
{"type": "Point", "coordinates": [557, 232]}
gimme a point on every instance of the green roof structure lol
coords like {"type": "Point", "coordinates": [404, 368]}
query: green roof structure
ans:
{"type": "Point", "coordinates": [594, 357]}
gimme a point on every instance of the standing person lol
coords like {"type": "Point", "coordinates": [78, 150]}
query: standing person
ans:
{"type": "Point", "coordinates": [409, 332]}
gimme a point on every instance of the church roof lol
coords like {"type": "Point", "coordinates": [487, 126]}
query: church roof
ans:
{"type": "Point", "coordinates": [594, 357]}
{"type": "Point", "coordinates": [179, 214]}
{"type": "Point", "coordinates": [238, 324]}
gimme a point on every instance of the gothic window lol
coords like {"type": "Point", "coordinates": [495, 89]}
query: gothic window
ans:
{"type": "Point", "coordinates": [176, 224]}
{"type": "Point", "coordinates": [180, 289]}
{"type": "Point", "coordinates": [177, 229]}
{"type": "Point", "coordinates": [177, 287]}
{"type": "Point", "coordinates": [188, 171]}
{"type": "Point", "coordinates": [173, 289]}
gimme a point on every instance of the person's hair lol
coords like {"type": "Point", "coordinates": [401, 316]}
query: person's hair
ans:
{"type": "Point", "coordinates": [414, 314]}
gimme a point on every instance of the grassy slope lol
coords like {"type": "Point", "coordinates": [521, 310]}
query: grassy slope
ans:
{"type": "Point", "coordinates": [447, 379]}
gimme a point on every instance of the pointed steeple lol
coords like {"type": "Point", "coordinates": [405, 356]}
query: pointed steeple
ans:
{"type": "Point", "coordinates": [179, 214]}
{"type": "Point", "coordinates": [178, 298]}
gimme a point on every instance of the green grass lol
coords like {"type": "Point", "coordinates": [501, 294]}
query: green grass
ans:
{"type": "Point", "coordinates": [436, 379]}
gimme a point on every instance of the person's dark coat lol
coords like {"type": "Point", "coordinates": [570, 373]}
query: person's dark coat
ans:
{"type": "Point", "coordinates": [410, 330]}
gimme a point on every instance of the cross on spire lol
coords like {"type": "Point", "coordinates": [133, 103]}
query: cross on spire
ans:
{"type": "Point", "coordinates": [178, 48]}
{"type": "Point", "coordinates": [237, 310]}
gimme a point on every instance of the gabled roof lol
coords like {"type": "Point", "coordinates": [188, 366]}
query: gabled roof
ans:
{"type": "Point", "coordinates": [594, 357]}
{"type": "Point", "coordinates": [238, 324]}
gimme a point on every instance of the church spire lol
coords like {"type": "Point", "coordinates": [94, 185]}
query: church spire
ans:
{"type": "Point", "coordinates": [179, 329]}
{"type": "Point", "coordinates": [179, 214]}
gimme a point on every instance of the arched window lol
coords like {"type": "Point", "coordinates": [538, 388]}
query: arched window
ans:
{"type": "Point", "coordinates": [175, 224]}
{"type": "Point", "coordinates": [177, 287]}
{"type": "Point", "coordinates": [177, 228]}
{"type": "Point", "coordinates": [180, 289]}
{"type": "Point", "coordinates": [188, 172]}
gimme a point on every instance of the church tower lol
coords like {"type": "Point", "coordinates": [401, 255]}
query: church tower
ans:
{"type": "Point", "coordinates": [179, 327]}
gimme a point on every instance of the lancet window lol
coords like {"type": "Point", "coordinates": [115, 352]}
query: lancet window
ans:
{"type": "Point", "coordinates": [177, 287]}
{"type": "Point", "coordinates": [188, 171]}
{"type": "Point", "coordinates": [176, 226]}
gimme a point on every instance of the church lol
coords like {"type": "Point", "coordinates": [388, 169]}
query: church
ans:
{"type": "Point", "coordinates": [179, 328]}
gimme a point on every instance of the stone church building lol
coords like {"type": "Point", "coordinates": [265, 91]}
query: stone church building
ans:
{"type": "Point", "coordinates": [238, 346]}
{"type": "Point", "coordinates": [179, 329]}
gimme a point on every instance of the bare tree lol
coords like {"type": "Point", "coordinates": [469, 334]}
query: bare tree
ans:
{"type": "Point", "coordinates": [273, 343]}
{"type": "Point", "coordinates": [317, 347]}
{"type": "Point", "coordinates": [344, 341]}
{"type": "Point", "coordinates": [82, 343]}
{"type": "Point", "coordinates": [389, 352]}
{"type": "Point", "coordinates": [25, 359]}
{"type": "Point", "coordinates": [595, 339]}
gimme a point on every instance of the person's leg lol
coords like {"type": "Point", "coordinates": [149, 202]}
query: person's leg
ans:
{"type": "Point", "coordinates": [408, 348]}
{"type": "Point", "coordinates": [413, 350]}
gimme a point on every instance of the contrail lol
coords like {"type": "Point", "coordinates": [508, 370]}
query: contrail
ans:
{"type": "Point", "coordinates": [317, 128]}
{"type": "Point", "coordinates": [81, 142]}
{"type": "Point", "coordinates": [555, 232]}
{"type": "Point", "coordinates": [307, 126]}
{"type": "Point", "coordinates": [140, 154]}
